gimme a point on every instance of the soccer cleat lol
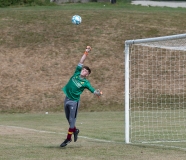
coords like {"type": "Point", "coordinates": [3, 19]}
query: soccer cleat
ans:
{"type": "Point", "coordinates": [76, 135]}
{"type": "Point", "coordinates": [65, 143]}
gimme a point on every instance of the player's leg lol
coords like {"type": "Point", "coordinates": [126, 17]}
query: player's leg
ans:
{"type": "Point", "coordinates": [67, 113]}
{"type": "Point", "coordinates": [71, 108]}
{"type": "Point", "coordinates": [76, 131]}
{"type": "Point", "coordinates": [66, 109]}
{"type": "Point", "coordinates": [72, 120]}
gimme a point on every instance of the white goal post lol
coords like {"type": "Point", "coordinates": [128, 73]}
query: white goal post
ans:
{"type": "Point", "coordinates": [155, 89]}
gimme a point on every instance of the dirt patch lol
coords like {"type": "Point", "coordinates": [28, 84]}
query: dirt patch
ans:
{"type": "Point", "coordinates": [40, 49]}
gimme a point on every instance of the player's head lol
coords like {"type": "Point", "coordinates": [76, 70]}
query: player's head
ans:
{"type": "Point", "coordinates": [85, 71]}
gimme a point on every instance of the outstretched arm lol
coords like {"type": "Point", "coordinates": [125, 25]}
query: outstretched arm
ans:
{"type": "Point", "coordinates": [87, 50]}
{"type": "Point", "coordinates": [96, 92]}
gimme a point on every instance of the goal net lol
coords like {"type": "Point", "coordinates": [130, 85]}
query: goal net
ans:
{"type": "Point", "coordinates": [155, 89]}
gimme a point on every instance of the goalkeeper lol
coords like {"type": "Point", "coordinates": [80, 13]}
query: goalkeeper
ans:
{"type": "Point", "coordinates": [73, 89]}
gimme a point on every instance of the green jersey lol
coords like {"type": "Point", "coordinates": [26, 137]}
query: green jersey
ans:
{"type": "Point", "coordinates": [76, 85]}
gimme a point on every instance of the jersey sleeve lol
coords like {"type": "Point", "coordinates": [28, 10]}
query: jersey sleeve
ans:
{"type": "Point", "coordinates": [89, 87]}
{"type": "Point", "coordinates": [78, 68]}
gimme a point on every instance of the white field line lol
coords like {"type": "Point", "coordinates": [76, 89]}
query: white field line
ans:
{"type": "Point", "coordinates": [42, 131]}
{"type": "Point", "coordinates": [100, 140]}
{"type": "Point", "coordinates": [162, 145]}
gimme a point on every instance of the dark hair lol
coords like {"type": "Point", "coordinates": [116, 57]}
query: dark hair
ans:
{"type": "Point", "coordinates": [87, 68]}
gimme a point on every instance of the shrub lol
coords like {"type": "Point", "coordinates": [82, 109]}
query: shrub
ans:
{"type": "Point", "coordinates": [6, 3]}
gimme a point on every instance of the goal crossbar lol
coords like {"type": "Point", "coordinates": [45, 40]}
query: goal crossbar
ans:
{"type": "Point", "coordinates": [155, 39]}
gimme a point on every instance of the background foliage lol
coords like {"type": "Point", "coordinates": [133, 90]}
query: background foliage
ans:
{"type": "Point", "coordinates": [6, 3]}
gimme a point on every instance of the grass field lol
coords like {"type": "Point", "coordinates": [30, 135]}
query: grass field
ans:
{"type": "Point", "coordinates": [38, 136]}
{"type": "Point", "coordinates": [39, 49]}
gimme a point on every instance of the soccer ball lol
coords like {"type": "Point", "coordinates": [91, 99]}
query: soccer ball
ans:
{"type": "Point", "coordinates": [76, 19]}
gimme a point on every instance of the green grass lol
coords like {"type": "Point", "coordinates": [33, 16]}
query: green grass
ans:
{"type": "Point", "coordinates": [39, 48]}
{"type": "Point", "coordinates": [38, 136]}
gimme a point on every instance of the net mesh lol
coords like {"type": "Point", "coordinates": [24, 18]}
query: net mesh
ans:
{"type": "Point", "coordinates": [158, 91]}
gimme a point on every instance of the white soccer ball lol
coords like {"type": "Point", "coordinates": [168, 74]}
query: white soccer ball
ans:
{"type": "Point", "coordinates": [76, 19]}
